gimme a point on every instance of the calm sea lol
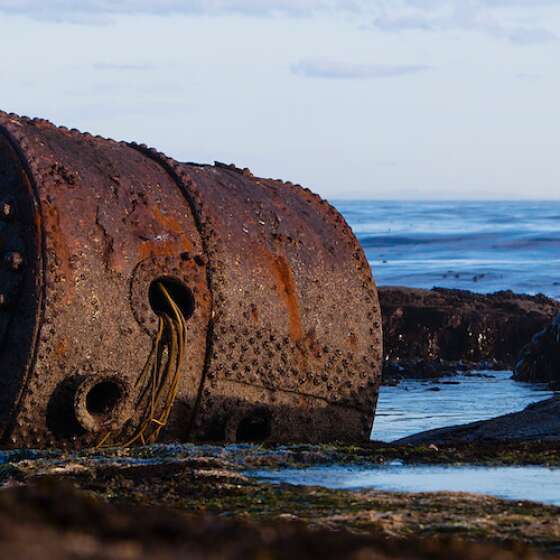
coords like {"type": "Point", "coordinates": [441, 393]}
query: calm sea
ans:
{"type": "Point", "coordinates": [480, 246]}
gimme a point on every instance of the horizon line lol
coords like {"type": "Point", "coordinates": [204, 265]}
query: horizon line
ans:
{"type": "Point", "coordinates": [368, 199]}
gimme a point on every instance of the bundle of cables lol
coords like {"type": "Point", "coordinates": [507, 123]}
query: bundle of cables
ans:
{"type": "Point", "coordinates": [157, 384]}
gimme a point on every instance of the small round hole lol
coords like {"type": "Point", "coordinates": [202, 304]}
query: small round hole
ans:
{"type": "Point", "coordinates": [254, 428]}
{"type": "Point", "coordinates": [178, 292]}
{"type": "Point", "coordinates": [102, 398]}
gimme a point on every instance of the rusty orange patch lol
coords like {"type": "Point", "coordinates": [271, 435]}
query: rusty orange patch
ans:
{"type": "Point", "coordinates": [287, 291]}
{"type": "Point", "coordinates": [56, 237]}
{"type": "Point", "coordinates": [167, 221]}
{"type": "Point", "coordinates": [61, 347]}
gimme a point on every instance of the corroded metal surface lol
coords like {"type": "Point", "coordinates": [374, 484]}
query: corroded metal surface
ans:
{"type": "Point", "coordinates": [284, 329]}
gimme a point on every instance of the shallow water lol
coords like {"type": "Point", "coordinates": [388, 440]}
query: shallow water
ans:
{"type": "Point", "coordinates": [537, 484]}
{"type": "Point", "coordinates": [479, 246]}
{"type": "Point", "coordinates": [413, 406]}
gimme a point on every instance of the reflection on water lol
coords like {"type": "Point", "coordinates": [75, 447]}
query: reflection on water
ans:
{"type": "Point", "coordinates": [538, 484]}
{"type": "Point", "coordinates": [414, 406]}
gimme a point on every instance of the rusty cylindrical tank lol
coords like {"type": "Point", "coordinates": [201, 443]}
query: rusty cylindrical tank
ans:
{"type": "Point", "coordinates": [283, 321]}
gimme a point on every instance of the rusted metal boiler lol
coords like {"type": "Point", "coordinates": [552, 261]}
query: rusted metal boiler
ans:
{"type": "Point", "coordinates": [143, 299]}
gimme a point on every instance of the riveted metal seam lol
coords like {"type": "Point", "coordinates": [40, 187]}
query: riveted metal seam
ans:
{"type": "Point", "coordinates": [172, 168]}
{"type": "Point", "coordinates": [15, 140]}
{"type": "Point", "coordinates": [299, 393]}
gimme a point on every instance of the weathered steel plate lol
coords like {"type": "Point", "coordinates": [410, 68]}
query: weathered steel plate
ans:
{"type": "Point", "coordinates": [284, 329]}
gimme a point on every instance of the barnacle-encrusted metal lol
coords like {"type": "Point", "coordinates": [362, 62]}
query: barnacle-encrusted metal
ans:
{"type": "Point", "coordinates": [284, 328]}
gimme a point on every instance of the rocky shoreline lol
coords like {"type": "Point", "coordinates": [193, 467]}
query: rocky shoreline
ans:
{"type": "Point", "coordinates": [185, 501]}
{"type": "Point", "coordinates": [538, 422]}
{"type": "Point", "coordinates": [430, 333]}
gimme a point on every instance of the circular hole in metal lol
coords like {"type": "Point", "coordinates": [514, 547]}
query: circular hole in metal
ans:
{"type": "Point", "coordinates": [179, 293]}
{"type": "Point", "coordinates": [103, 398]}
{"type": "Point", "coordinates": [255, 427]}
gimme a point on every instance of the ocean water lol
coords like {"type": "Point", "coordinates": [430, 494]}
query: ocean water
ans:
{"type": "Point", "coordinates": [536, 484]}
{"type": "Point", "coordinates": [480, 246]}
{"type": "Point", "coordinates": [413, 406]}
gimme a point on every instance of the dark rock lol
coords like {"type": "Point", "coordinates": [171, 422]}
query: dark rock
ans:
{"type": "Point", "coordinates": [538, 422]}
{"type": "Point", "coordinates": [53, 520]}
{"type": "Point", "coordinates": [539, 361]}
{"type": "Point", "coordinates": [429, 333]}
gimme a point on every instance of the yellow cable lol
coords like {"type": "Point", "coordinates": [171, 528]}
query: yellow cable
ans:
{"type": "Point", "coordinates": [162, 370]}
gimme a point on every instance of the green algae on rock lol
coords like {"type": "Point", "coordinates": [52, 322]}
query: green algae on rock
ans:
{"type": "Point", "coordinates": [211, 499]}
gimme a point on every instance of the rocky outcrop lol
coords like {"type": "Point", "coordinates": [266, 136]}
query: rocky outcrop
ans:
{"type": "Point", "coordinates": [539, 421]}
{"type": "Point", "coordinates": [428, 333]}
{"type": "Point", "coordinates": [539, 360]}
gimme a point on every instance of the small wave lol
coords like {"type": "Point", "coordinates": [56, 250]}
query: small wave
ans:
{"type": "Point", "coordinates": [531, 242]}
{"type": "Point", "coordinates": [373, 241]}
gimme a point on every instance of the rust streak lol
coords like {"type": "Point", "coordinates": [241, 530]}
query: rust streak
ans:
{"type": "Point", "coordinates": [287, 291]}
{"type": "Point", "coordinates": [62, 251]}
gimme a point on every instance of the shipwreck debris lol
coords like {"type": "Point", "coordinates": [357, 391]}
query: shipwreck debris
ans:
{"type": "Point", "coordinates": [142, 298]}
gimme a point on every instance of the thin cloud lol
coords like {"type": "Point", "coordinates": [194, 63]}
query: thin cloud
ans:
{"type": "Point", "coordinates": [497, 18]}
{"type": "Point", "coordinates": [338, 70]}
{"type": "Point", "coordinates": [60, 10]}
{"type": "Point", "coordinates": [521, 22]}
{"type": "Point", "coordinates": [516, 35]}
{"type": "Point", "coordinates": [109, 66]}
{"type": "Point", "coordinates": [529, 77]}
{"type": "Point", "coordinates": [530, 35]}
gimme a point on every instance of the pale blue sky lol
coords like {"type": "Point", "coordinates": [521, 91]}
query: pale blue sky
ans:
{"type": "Point", "coordinates": [369, 99]}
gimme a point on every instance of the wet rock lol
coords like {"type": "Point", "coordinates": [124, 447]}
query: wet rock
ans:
{"type": "Point", "coordinates": [538, 422]}
{"type": "Point", "coordinates": [430, 333]}
{"type": "Point", "coordinates": [539, 361]}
